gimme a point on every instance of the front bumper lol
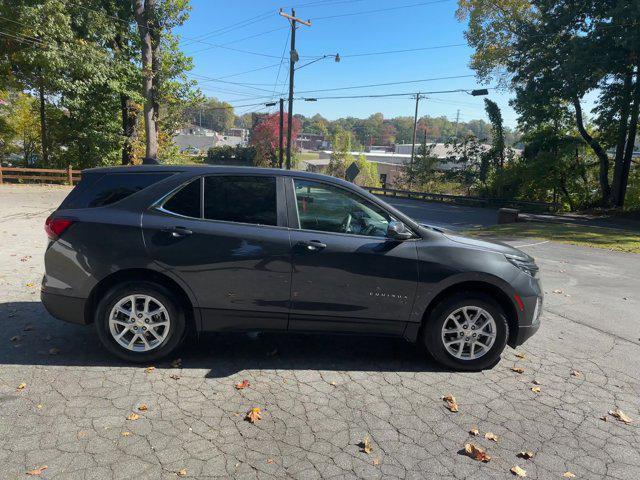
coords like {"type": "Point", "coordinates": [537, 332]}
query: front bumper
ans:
{"type": "Point", "coordinates": [62, 307]}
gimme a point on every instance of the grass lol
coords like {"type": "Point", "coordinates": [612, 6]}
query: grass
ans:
{"type": "Point", "coordinates": [594, 237]}
{"type": "Point", "coordinates": [308, 156]}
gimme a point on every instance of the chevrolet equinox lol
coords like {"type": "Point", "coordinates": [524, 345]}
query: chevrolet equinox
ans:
{"type": "Point", "coordinates": [149, 253]}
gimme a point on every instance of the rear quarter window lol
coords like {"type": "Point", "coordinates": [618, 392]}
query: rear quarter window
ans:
{"type": "Point", "coordinates": [111, 188]}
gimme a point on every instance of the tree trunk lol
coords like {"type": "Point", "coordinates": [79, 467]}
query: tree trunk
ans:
{"type": "Point", "coordinates": [622, 137]}
{"type": "Point", "coordinates": [598, 150]}
{"type": "Point", "coordinates": [144, 10]}
{"type": "Point", "coordinates": [43, 124]}
{"type": "Point", "coordinates": [128, 128]}
{"type": "Point", "coordinates": [631, 140]}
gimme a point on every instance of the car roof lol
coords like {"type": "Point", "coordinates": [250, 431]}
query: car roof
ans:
{"type": "Point", "coordinates": [218, 169]}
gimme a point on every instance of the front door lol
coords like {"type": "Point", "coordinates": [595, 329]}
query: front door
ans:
{"type": "Point", "coordinates": [347, 275]}
{"type": "Point", "coordinates": [225, 237]}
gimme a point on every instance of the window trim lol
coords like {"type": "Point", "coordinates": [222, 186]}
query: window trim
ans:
{"type": "Point", "coordinates": [294, 214]}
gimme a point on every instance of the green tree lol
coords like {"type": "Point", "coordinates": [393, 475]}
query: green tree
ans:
{"type": "Point", "coordinates": [560, 51]}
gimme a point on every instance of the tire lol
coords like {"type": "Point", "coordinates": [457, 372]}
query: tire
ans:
{"type": "Point", "coordinates": [434, 338]}
{"type": "Point", "coordinates": [162, 343]}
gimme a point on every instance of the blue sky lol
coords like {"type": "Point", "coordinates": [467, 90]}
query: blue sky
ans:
{"type": "Point", "coordinates": [417, 26]}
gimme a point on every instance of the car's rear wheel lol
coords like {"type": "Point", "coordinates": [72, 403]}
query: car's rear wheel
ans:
{"type": "Point", "coordinates": [466, 331]}
{"type": "Point", "coordinates": [140, 321]}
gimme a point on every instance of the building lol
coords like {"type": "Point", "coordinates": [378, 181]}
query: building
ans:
{"type": "Point", "coordinates": [194, 140]}
{"type": "Point", "coordinates": [311, 141]}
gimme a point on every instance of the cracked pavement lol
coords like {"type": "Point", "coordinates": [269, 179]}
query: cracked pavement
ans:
{"type": "Point", "coordinates": [320, 395]}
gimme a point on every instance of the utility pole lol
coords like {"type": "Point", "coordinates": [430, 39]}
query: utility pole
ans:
{"type": "Point", "coordinates": [281, 135]}
{"type": "Point", "coordinates": [293, 58]}
{"type": "Point", "coordinates": [455, 138]}
{"type": "Point", "coordinates": [415, 125]}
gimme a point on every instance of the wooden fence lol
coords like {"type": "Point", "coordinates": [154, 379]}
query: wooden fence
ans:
{"type": "Point", "coordinates": [462, 200]}
{"type": "Point", "coordinates": [48, 175]}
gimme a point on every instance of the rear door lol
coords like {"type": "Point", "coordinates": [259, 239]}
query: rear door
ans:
{"type": "Point", "coordinates": [225, 236]}
{"type": "Point", "coordinates": [347, 275]}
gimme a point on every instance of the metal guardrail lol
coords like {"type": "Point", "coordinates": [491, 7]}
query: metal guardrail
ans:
{"type": "Point", "coordinates": [463, 200]}
{"type": "Point", "coordinates": [66, 175]}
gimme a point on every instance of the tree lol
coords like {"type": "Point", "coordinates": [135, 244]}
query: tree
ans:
{"type": "Point", "coordinates": [421, 171]}
{"type": "Point", "coordinates": [20, 127]}
{"type": "Point", "coordinates": [211, 113]}
{"type": "Point", "coordinates": [265, 138]}
{"type": "Point", "coordinates": [341, 156]}
{"type": "Point", "coordinates": [560, 51]}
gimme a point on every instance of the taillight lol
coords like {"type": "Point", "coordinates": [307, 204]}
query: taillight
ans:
{"type": "Point", "coordinates": [56, 226]}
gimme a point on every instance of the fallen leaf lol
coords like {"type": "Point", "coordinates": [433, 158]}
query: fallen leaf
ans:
{"type": "Point", "coordinates": [149, 369]}
{"type": "Point", "coordinates": [22, 386]}
{"type": "Point", "coordinates": [125, 434]}
{"type": "Point", "coordinates": [535, 389]}
{"type": "Point", "coordinates": [620, 415]}
{"type": "Point", "coordinates": [15, 338]}
{"type": "Point", "coordinates": [575, 373]}
{"type": "Point", "coordinates": [491, 436]}
{"type": "Point", "coordinates": [269, 460]}
{"type": "Point", "coordinates": [242, 385]}
{"type": "Point", "coordinates": [474, 431]}
{"type": "Point", "coordinates": [174, 377]}
{"type": "Point", "coordinates": [376, 461]}
{"type": "Point", "coordinates": [182, 472]}
{"type": "Point", "coordinates": [520, 355]}
{"type": "Point", "coordinates": [37, 471]}
{"type": "Point", "coordinates": [177, 363]}
{"type": "Point", "coordinates": [29, 284]}
{"type": "Point", "coordinates": [28, 328]}
{"type": "Point", "coordinates": [603, 418]}
{"type": "Point", "coordinates": [253, 415]}
{"type": "Point", "coordinates": [452, 405]}
{"type": "Point", "coordinates": [517, 369]}
{"type": "Point", "coordinates": [25, 258]}
{"type": "Point", "coordinates": [54, 351]}
{"type": "Point", "coordinates": [143, 407]}
{"type": "Point", "coordinates": [525, 455]}
{"type": "Point", "coordinates": [476, 453]}
{"type": "Point", "coordinates": [39, 406]}
{"type": "Point", "coordinates": [558, 291]}
{"type": "Point", "coordinates": [519, 472]}
{"type": "Point", "coordinates": [366, 445]}
{"type": "Point", "coordinates": [333, 384]}
{"type": "Point", "coordinates": [537, 382]}
{"type": "Point", "coordinates": [568, 475]}
{"type": "Point", "coordinates": [133, 416]}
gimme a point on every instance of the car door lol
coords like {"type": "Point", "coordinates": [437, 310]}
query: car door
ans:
{"type": "Point", "coordinates": [225, 236]}
{"type": "Point", "coordinates": [347, 275]}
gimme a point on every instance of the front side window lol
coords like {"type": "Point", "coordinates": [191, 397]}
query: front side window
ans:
{"type": "Point", "coordinates": [186, 201]}
{"type": "Point", "coordinates": [241, 198]}
{"type": "Point", "coordinates": [330, 209]}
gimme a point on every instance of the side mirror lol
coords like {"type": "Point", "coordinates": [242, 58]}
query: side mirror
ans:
{"type": "Point", "coordinates": [398, 231]}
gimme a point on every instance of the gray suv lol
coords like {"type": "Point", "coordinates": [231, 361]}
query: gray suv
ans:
{"type": "Point", "coordinates": [150, 253]}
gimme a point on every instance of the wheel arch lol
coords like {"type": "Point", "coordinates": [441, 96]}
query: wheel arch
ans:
{"type": "Point", "coordinates": [141, 274]}
{"type": "Point", "coordinates": [495, 292]}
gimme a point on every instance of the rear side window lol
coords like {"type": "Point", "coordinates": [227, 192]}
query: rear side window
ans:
{"type": "Point", "coordinates": [243, 199]}
{"type": "Point", "coordinates": [113, 187]}
{"type": "Point", "coordinates": [186, 201]}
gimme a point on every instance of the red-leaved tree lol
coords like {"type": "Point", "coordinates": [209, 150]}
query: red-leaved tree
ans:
{"type": "Point", "coordinates": [264, 138]}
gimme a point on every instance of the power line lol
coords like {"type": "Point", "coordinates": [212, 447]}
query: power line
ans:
{"type": "Point", "coordinates": [224, 45]}
{"type": "Point", "coordinates": [405, 50]}
{"type": "Point", "coordinates": [223, 30]}
{"type": "Point", "coordinates": [387, 84]}
{"type": "Point", "coordinates": [388, 9]}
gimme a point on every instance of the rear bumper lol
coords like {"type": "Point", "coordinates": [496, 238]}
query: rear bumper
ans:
{"type": "Point", "coordinates": [524, 333]}
{"type": "Point", "coordinates": [62, 307]}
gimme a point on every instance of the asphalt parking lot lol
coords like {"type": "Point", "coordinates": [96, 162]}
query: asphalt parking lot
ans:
{"type": "Point", "coordinates": [64, 402]}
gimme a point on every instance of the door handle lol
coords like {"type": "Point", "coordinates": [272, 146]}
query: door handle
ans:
{"type": "Point", "coordinates": [178, 231]}
{"type": "Point", "coordinates": [313, 245]}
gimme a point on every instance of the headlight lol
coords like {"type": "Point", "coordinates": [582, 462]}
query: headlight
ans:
{"type": "Point", "coordinates": [527, 266]}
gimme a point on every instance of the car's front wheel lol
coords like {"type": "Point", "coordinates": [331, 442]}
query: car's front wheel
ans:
{"type": "Point", "coordinates": [467, 331]}
{"type": "Point", "coordinates": [140, 321]}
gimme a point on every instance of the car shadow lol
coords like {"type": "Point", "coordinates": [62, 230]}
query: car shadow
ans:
{"type": "Point", "coordinates": [30, 336]}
